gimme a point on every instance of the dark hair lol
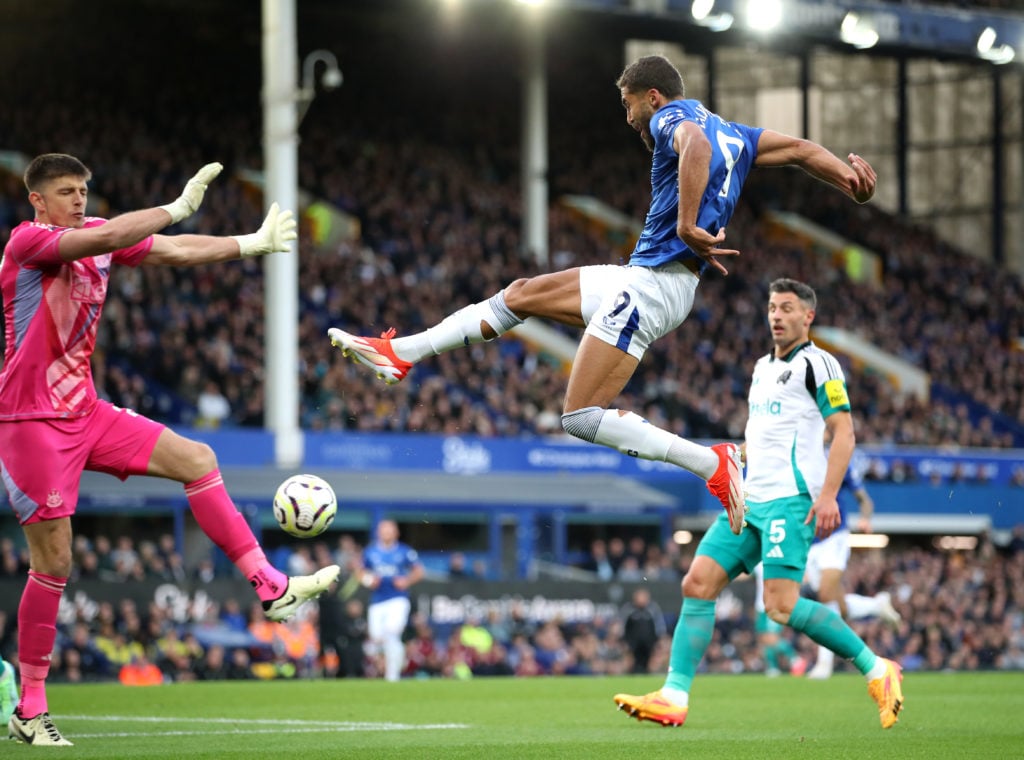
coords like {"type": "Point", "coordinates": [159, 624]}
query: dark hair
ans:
{"type": "Point", "coordinates": [652, 72]}
{"type": "Point", "coordinates": [50, 166]}
{"type": "Point", "coordinates": [802, 291]}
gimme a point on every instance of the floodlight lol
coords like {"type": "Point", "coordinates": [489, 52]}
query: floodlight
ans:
{"type": "Point", "coordinates": [986, 40]}
{"type": "Point", "coordinates": [701, 8]}
{"type": "Point", "coordinates": [330, 80]}
{"type": "Point", "coordinates": [988, 49]}
{"type": "Point", "coordinates": [858, 31]}
{"type": "Point", "coordinates": [764, 15]}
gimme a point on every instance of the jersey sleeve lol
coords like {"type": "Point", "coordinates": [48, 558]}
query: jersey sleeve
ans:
{"type": "Point", "coordinates": [133, 255]}
{"type": "Point", "coordinates": [36, 246]}
{"type": "Point", "coordinates": [752, 136]}
{"type": "Point", "coordinates": [412, 557]}
{"type": "Point", "coordinates": [830, 391]}
{"type": "Point", "coordinates": [663, 127]}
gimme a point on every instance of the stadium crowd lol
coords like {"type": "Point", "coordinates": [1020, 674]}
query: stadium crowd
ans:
{"type": "Point", "coordinates": [440, 228]}
{"type": "Point", "coordinates": [961, 610]}
{"type": "Point", "coordinates": [439, 212]}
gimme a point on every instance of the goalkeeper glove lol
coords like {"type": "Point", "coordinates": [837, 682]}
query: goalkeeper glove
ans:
{"type": "Point", "coordinates": [273, 236]}
{"type": "Point", "coordinates": [186, 204]}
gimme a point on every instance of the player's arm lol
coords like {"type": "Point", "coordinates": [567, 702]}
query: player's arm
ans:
{"type": "Point", "coordinates": [131, 228]}
{"type": "Point", "coordinates": [856, 179]}
{"type": "Point", "coordinates": [840, 430]}
{"type": "Point", "coordinates": [694, 151]}
{"type": "Point", "coordinates": [366, 576]}
{"type": "Point", "coordinates": [414, 576]}
{"type": "Point", "coordinates": [867, 509]}
{"type": "Point", "coordinates": [273, 236]}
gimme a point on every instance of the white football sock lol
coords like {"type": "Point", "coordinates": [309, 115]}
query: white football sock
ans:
{"type": "Point", "coordinates": [633, 435]}
{"type": "Point", "coordinates": [859, 607]}
{"type": "Point", "coordinates": [457, 330]}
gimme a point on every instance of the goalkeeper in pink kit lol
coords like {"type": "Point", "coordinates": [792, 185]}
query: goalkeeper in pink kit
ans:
{"type": "Point", "coordinates": [54, 277]}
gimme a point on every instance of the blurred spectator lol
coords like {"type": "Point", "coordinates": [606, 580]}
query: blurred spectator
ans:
{"type": "Point", "coordinates": [598, 562]}
{"type": "Point", "coordinates": [457, 566]}
{"type": "Point", "coordinates": [423, 657]}
{"type": "Point", "coordinates": [139, 671]}
{"type": "Point", "coordinates": [212, 408]}
{"type": "Point", "coordinates": [643, 625]}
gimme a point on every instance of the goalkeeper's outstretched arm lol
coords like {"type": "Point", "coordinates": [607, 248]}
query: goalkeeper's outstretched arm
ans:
{"type": "Point", "coordinates": [273, 236]}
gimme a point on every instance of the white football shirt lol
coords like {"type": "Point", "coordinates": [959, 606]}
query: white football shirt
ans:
{"type": "Point", "coordinates": [788, 402]}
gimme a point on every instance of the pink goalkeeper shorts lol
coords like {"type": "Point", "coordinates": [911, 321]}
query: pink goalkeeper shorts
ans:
{"type": "Point", "coordinates": [42, 460]}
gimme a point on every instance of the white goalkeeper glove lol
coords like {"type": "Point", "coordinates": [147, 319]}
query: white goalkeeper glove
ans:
{"type": "Point", "coordinates": [186, 204]}
{"type": "Point", "coordinates": [273, 236]}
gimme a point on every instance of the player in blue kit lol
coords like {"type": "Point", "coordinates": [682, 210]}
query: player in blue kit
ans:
{"type": "Point", "coordinates": [700, 162]}
{"type": "Point", "coordinates": [389, 569]}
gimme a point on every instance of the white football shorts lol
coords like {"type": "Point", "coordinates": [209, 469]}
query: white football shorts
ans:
{"type": "Point", "coordinates": [387, 619]}
{"type": "Point", "coordinates": [631, 307]}
{"type": "Point", "coordinates": [831, 554]}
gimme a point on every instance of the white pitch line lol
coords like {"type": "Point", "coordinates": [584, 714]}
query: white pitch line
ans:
{"type": "Point", "coordinates": [287, 726]}
{"type": "Point", "coordinates": [253, 732]}
{"type": "Point", "coordinates": [257, 721]}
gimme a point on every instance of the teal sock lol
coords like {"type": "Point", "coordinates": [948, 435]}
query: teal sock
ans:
{"type": "Point", "coordinates": [689, 642]}
{"type": "Point", "coordinates": [781, 648]}
{"type": "Point", "coordinates": [827, 628]}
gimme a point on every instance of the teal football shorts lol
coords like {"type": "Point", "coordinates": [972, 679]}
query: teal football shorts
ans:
{"type": "Point", "coordinates": [775, 534]}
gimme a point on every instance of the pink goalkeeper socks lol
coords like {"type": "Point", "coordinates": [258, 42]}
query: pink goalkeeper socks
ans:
{"type": "Point", "coordinates": [228, 529]}
{"type": "Point", "coordinates": [37, 630]}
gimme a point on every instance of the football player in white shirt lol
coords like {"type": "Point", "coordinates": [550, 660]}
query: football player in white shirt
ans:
{"type": "Point", "coordinates": [797, 392]}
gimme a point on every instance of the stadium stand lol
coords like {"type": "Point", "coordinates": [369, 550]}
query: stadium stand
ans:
{"type": "Point", "coordinates": [438, 209]}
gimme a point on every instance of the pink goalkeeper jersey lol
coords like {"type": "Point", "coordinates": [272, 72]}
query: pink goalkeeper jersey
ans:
{"type": "Point", "coordinates": [52, 309]}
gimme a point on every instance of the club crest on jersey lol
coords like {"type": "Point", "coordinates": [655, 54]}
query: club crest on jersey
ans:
{"type": "Point", "coordinates": [784, 377]}
{"type": "Point", "coordinates": [54, 499]}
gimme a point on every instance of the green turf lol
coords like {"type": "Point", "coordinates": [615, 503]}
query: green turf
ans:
{"type": "Point", "coordinates": [733, 717]}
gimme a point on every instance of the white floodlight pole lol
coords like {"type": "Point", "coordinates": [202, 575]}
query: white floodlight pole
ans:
{"type": "Point", "coordinates": [281, 271]}
{"type": "Point", "coordinates": [535, 137]}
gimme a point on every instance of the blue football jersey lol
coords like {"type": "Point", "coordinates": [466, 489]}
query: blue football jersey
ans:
{"type": "Point", "coordinates": [387, 563]}
{"type": "Point", "coordinates": [853, 481]}
{"type": "Point", "coordinates": [733, 150]}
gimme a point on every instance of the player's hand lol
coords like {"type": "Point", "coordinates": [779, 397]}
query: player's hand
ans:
{"type": "Point", "coordinates": [188, 202]}
{"type": "Point", "coordinates": [273, 236]}
{"type": "Point", "coordinates": [863, 188]}
{"type": "Point", "coordinates": [827, 512]}
{"type": "Point", "coordinates": [705, 245]}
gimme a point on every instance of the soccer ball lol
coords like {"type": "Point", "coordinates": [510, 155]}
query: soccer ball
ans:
{"type": "Point", "coordinates": [305, 505]}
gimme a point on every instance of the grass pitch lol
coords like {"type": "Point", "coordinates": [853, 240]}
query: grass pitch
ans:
{"type": "Point", "coordinates": [732, 717]}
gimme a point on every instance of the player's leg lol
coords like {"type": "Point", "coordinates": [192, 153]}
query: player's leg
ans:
{"type": "Point", "coordinates": [8, 691]}
{"type": "Point", "coordinates": [131, 444]}
{"type": "Point", "coordinates": [828, 558]}
{"type": "Point", "coordinates": [859, 607]}
{"type": "Point", "coordinates": [633, 310]}
{"type": "Point", "coordinates": [787, 539]}
{"type": "Point", "coordinates": [830, 593]}
{"type": "Point", "coordinates": [554, 296]}
{"type": "Point", "coordinates": [43, 499]}
{"type": "Point", "coordinates": [720, 557]}
{"type": "Point", "coordinates": [396, 618]}
{"type": "Point", "coordinates": [49, 545]}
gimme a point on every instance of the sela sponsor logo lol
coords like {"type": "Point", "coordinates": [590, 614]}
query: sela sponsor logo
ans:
{"type": "Point", "coordinates": [465, 458]}
{"type": "Point", "coordinates": [766, 408]}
